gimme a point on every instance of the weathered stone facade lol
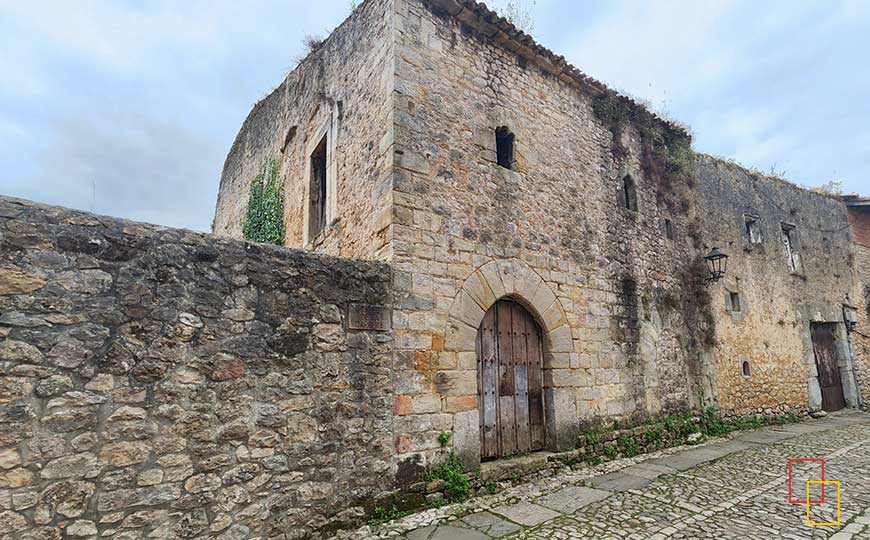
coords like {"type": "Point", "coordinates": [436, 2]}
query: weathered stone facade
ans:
{"type": "Point", "coordinates": [550, 234]}
{"type": "Point", "coordinates": [160, 383]}
{"type": "Point", "coordinates": [340, 91]}
{"type": "Point", "coordinates": [859, 220]}
{"type": "Point", "coordinates": [597, 226]}
{"type": "Point", "coordinates": [771, 328]}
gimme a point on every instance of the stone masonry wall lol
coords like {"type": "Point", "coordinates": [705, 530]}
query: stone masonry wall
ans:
{"type": "Point", "coordinates": [772, 329]}
{"type": "Point", "coordinates": [345, 83]}
{"type": "Point", "coordinates": [160, 383]}
{"type": "Point", "coordinates": [630, 330]}
{"type": "Point", "coordinates": [550, 234]}
{"type": "Point", "coordinates": [860, 220]}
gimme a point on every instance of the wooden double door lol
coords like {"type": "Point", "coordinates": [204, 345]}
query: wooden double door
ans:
{"type": "Point", "coordinates": [509, 381]}
{"type": "Point", "coordinates": [827, 366]}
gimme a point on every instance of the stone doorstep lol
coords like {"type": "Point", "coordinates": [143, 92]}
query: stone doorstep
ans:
{"type": "Point", "coordinates": [503, 469]}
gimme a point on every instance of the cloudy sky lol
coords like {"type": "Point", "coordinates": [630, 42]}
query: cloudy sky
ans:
{"type": "Point", "coordinates": [128, 108]}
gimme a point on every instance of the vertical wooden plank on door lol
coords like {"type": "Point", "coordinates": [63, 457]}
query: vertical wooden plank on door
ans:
{"type": "Point", "coordinates": [488, 375]}
{"type": "Point", "coordinates": [521, 376]}
{"type": "Point", "coordinates": [506, 407]}
{"type": "Point", "coordinates": [481, 410]}
{"type": "Point", "coordinates": [536, 375]}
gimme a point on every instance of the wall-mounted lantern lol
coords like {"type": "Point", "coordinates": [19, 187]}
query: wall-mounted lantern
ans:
{"type": "Point", "coordinates": [717, 262]}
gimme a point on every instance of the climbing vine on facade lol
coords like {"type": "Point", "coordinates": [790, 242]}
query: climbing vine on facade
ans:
{"type": "Point", "coordinates": [264, 217]}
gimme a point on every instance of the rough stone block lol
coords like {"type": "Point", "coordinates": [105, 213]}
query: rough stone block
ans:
{"type": "Point", "coordinates": [561, 417]}
{"type": "Point", "coordinates": [460, 336]}
{"type": "Point", "coordinates": [466, 310]}
{"type": "Point", "coordinates": [490, 272]}
{"type": "Point", "coordinates": [476, 287]}
{"type": "Point", "coordinates": [466, 438]}
{"type": "Point", "coordinates": [559, 339]}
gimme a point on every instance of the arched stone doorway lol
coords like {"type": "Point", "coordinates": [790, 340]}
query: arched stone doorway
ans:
{"type": "Point", "coordinates": [512, 279]}
{"type": "Point", "coordinates": [509, 381]}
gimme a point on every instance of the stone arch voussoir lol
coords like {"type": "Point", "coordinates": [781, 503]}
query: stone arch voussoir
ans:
{"type": "Point", "coordinates": [514, 279]}
{"type": "Point", "coordinates": [506, 278]}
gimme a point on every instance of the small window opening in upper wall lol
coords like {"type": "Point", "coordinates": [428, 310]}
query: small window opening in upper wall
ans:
{"type": "Point", "coordinates": [734, 301]}
{"type": "Point", "coordinates": [288, 138]}
{"type": "Point", "coordinates": [628, 193]}
{"type": "Point", "coordinates": [746, 370]}
{"type": "Point", "coordinates": [504, 147]}
{"type": "Point", "coordinates": [317, 190]}
{"type": "Point", "coordinates": [669, 229]}
{"type": "Point", "coordinates": [752, 230]}
{"type": "Point", "coordinates": [791, 243]}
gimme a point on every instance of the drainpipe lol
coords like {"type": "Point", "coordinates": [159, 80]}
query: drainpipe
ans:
{"type": "Point", "coordinates": [850, 327]}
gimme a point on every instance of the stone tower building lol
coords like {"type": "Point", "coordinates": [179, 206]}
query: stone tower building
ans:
{"type": "Point", "coordinates": [546, 237]}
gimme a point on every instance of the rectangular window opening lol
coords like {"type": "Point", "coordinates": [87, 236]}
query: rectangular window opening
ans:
{"type": "Point", "coordinates": [734, 301]}
{"type": "Point", "coordinates": [669, 229]}
{"type": "Point", "coordinates": [317, 191]}
{"type": "Point", "coordinates": [792, 248]}
{"type": "Point", "coordinates": [504, 146]}
{"type": "Point", "coordinates": [753, 230]}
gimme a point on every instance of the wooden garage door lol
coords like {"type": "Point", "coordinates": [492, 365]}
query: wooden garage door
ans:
{"type": "Point", "coordinates": [827, 366]}
{"type": "Point", "coordinates": [509, 381]}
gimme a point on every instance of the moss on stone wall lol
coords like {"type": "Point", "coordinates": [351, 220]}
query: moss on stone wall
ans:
{"type": "Point", "coordinates": [611, 441]}
{"type": "Point", "coordinates": [667, 161]}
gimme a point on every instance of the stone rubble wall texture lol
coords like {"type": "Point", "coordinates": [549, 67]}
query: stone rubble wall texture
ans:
{"type": "Point", "coordinates": [347, 79]}
{"type": "Point", "coordinates": [772, 331]}
{"type": "Point", "coordinates": [160, 383]}
{"type": "Point", "coordinates": [860, 220]}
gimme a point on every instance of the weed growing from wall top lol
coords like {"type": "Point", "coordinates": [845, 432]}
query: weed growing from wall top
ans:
{"type": "Point", "coordinates": [264, 217]}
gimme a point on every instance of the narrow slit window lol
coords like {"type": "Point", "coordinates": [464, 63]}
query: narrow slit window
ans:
{"type": "Point", "coordinates": [317, 191]}
{"type": "Point", "coordinates": [669, 229]}
{"type": "Point", "coordinates": [628, 193]}
{"type": "Point", "coordinates": [792, 248]}
{"type": "Point", "coordinates": [746, 369]}
{"type": "Point", "coordinates": [753, 230]}
{"type": "Point", "coordinates": [504, 147]}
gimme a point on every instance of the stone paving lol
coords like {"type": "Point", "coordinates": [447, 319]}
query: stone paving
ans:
{"type": "Point", "coordinates": [727, 489]}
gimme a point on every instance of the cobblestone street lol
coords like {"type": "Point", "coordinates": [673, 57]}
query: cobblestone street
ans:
{"type": "Point", "coordinates": [734, 488]}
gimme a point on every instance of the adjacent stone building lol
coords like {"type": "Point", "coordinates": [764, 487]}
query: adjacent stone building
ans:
{"type": "Point", "coordinates": [859, 221]}
{"type": "Point", "coordinates": [546, 237]}
{"type": "Point", "coordinates": [787, 293]}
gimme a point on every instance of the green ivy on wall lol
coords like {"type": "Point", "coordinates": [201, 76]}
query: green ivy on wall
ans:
{"type": "Point", "coordinates": [264, 218]}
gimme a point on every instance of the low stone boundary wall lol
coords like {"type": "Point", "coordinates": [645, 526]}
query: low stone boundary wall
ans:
{"type": "Point", "coordinates": [160, 383]}
{"type": "Point", "coordinates": [608, 442]}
